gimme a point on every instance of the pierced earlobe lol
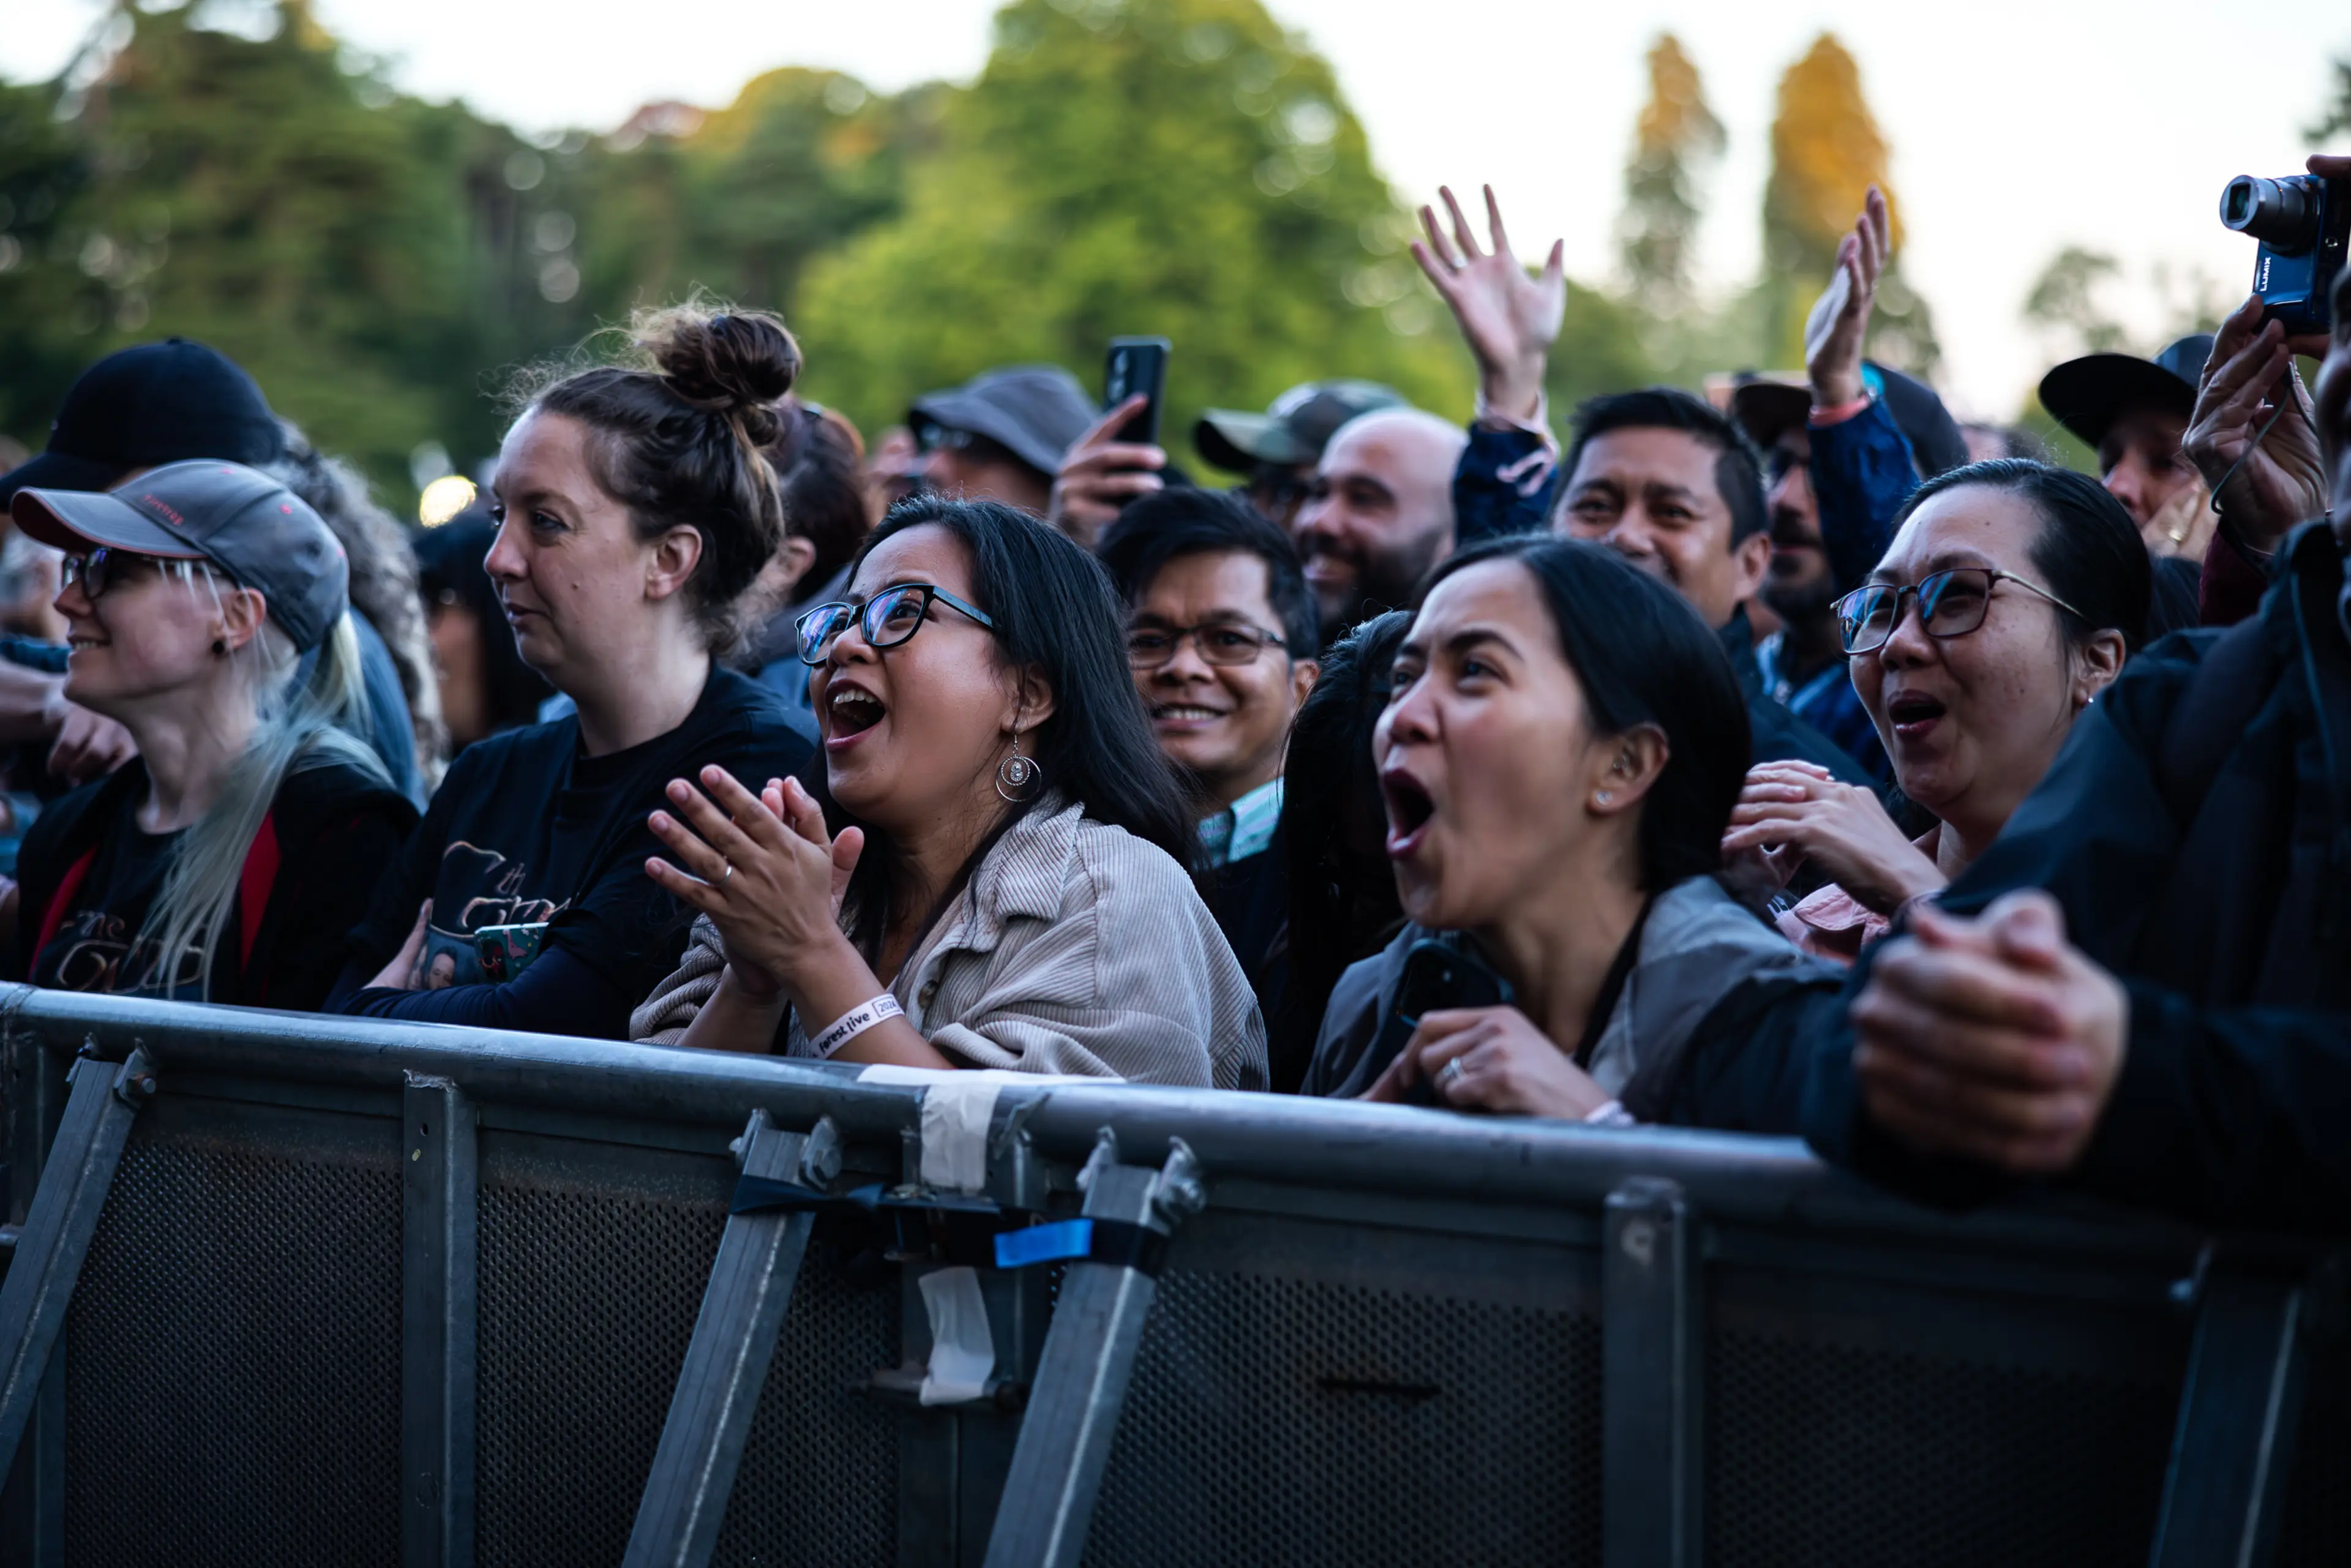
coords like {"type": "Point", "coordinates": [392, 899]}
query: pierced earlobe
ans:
{"type": "Point", "coordinates": [220, 647]}
{"type": "Point", "coordinates": [1603, 798]}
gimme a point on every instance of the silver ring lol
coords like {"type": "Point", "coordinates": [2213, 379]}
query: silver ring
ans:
{"type": "Point", "coordinates": [729, 872]}
{"type": "Point", "coordinates": [1448, 1076]}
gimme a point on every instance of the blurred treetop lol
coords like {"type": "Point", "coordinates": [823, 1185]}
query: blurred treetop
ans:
{"type": "Point", "coordinates": [1676, 132]}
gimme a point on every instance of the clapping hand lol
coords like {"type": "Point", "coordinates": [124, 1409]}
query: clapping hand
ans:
{"type": "Point", "coordinates": [1840, 318]}
{"type": "Point", "coordinates": [1791, 812]}
{"type": "Point", "coordinates": [1509, 317]}
{"type": "Point", "coordinates": [762, 867]}
{"type": "Point", "coordinates": [1992, 1038]}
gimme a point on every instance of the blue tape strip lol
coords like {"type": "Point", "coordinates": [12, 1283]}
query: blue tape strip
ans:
{"type": "Point", "coordinates": [1044, 1243]}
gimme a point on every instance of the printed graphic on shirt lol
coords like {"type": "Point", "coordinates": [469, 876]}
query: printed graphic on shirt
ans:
{"type": "Point", "coordinates": [96, 951]}
{"type": "Point", "coordinates": [477, 888]}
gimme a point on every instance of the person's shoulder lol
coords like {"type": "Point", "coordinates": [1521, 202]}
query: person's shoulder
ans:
{"type": "Point", "coordinates": [747, 728]}
{"type": "Point", "coordinates": [68, 823]}
{"type": "Point", "coordinates": [332, 791]}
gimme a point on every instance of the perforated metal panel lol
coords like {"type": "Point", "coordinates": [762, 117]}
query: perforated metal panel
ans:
{"type": "Point", "coordinates": [587, 1303]}
{"type": "Point", "coordinates": [1281, 1421]}
{"type": "Point", "coordinates": [233, 1362]}
{"type": "Point", "coordinates": [1821, 1454]}
{"type": "Point", "coordinates": [820, 1480]}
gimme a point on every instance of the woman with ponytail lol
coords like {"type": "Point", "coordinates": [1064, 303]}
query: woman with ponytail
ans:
{"type": "Point", "coordinates": [223, 863]}
{"type": "Point", "coordinates": [635, 505]}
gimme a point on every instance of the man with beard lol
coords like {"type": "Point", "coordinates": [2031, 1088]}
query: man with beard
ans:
{"type": "Point", "coordinates": [1379, 516]}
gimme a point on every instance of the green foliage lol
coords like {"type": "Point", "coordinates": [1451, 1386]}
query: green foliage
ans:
{"type": "Point", "coordinates": [2065, 299]}
{"type": "Point", "coordinates": [1179, 167]}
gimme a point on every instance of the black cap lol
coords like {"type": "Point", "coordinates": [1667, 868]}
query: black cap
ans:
{"type": "Point", "coordinates": [1765, 404]}
{"type": "Point", "coordinates": [157, 404]}
{"type": "Point", "coordinates": [1294, 430]}
{"type": "Point", "coordinates": [263, 535]}
{"type": "Point", "coordinates": [1035, 411]}
{"type": "Point", "coordinates": [2084, 395]}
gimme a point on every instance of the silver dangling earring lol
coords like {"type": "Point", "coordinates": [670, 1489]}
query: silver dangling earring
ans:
{"type": "Point", "coordinates": [1015, 776]}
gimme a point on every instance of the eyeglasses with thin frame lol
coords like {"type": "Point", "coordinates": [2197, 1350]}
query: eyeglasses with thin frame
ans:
{"type": "Point", "coordinates": [887, 618]}
{"type": "Point", "coordinates": [104, 568]}
{"type": "Point", "coordinates": [1224, 643]}
{"type": "Point", "coordinates": [1951, 603]}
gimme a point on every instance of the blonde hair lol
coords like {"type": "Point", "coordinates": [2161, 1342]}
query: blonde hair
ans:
{"type": "Point", "coordinates": [302, 724]}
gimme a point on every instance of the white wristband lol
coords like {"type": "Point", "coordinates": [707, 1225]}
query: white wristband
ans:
{"type": "Point", "coordinates": [856, 1021]}
{"type": "Point", "coordinates": [1612, 1115]}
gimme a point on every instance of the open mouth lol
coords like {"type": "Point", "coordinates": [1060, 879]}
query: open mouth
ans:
{"type": "Point", "coordinates": [1913, 714]}
{"type": "Point", "coordinates": [1410, 808]}
{"type": "Point", "coordinates": [853, 710]}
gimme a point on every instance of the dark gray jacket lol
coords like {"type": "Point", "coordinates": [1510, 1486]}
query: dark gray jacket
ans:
{"type": "Point", "coordinates": [1701, 951]}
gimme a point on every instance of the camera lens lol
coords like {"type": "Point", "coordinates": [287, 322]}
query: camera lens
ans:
{"type": "Point", "coordinates": [2278, 213]}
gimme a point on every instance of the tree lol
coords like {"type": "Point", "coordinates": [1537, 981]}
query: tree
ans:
{"type": "Point", "coordinates": [1181, 167]}
{"type": "Point", "coordinates": [1676, 132]}
{"type": "Point", "coordinates": [2336, 116]}
{"type": "Point", "coordinates": [2064, 300]}
{"type": "Point", "coordinates": [1826, 151]}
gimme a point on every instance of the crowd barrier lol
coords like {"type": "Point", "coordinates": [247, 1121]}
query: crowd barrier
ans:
{"type": "Point", "coordinates": [291, 1289]}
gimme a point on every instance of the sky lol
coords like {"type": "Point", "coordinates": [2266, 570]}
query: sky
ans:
{"type": "Point", "coordinates": [2018, 127]}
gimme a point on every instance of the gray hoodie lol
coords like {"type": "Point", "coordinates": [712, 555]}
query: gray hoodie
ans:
{"type": "Point", "coordinates": [1698, 945]}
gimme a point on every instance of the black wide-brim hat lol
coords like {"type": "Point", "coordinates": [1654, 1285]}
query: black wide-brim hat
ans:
{"type": "Point", "coordinates": [2087, 394]}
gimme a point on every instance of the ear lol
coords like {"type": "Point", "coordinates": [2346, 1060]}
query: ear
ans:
{"type": "Point", "coordinates": [1624, 769]}
{"type": "Point", "coordinates": [794, 559]}
{"type": "Point", "coordinates": [1752, 558]}
{"type": "Point", "coordinates": [1303, 674]}
{"type": "Point", "coordinates": [670, 563]}
{"type": "Point", "coordinates": [2096, 666]}
{"type": "Point", "coordinates": [243, 611]}
{"type": "Point", "coordinates": [1029, 700]}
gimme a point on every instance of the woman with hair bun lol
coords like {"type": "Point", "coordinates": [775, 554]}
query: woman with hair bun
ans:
{"type": "Point", "coordinates": [635, 508]}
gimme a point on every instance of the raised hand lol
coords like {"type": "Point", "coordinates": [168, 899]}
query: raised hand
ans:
{"type": "Point", "coordinates": [2274, 481]}
{"type": "Point", "coordinates": [1509, 317]}
{"type": "Point", "coordinates": [1839, 322]}
{"type": "Point", "coordinates": [1099, 476]}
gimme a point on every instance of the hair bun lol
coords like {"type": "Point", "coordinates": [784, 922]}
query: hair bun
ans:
{"type": "Point", "coordinates": [741, 363]}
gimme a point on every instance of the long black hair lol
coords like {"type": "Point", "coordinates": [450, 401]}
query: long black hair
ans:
{"type": "Point", "coordinates": [1643, 657]}
{"type": "Point", "coordinates": [1342, 895]}
{"type": "Point", "coordinates": [2087, 552]}
{"type": "Point", "coordinates": [1056, 614]}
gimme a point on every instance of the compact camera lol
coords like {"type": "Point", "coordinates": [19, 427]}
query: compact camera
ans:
{"type": "Point", "coordinates": [2302, 222]}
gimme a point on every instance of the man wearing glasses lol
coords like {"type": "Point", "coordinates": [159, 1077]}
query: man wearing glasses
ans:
{"type": "Point", "coordinates": [1221, 642]}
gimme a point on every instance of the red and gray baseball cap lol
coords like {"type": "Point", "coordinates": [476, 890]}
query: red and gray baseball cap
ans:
{"type": "Point", "coordinates": [1293, 431]}
{"type": "Point", "coordinates": [254, 529]}
{"type": "Point", "coordinates": [159, 402]}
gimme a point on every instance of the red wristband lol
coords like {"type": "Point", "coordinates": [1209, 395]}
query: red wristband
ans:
{"type": "Point", "coordinates": [1823, 417]}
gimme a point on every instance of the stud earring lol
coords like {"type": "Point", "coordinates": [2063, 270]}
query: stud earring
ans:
{"type": "Point", "coordinates": [1603, 798]}
{"type": "Point", "coordinates": [220, 647]}
{"type": "Point", "coordinates": [1015, 776]}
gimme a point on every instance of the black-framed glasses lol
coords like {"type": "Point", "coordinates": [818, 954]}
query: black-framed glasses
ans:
{"type": "Point", "coordinates": [1226, 642]}
{"type": "Point", "coordinates": [887, 618]}
{"type": "Point", "coordinates": [1951, 603]}
{"type": "Point", "coordinates": [104, 568]}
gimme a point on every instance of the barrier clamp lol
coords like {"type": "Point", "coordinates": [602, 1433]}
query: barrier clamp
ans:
{"type": "Point", "coordinates": [735, 1334]}
{"type": "Point", "coordinates": [104, 1098]}
{"type": "Point", "coordinates": [1116, 1250]}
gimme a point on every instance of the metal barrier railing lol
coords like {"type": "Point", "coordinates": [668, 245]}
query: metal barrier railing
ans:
{"type": "Point", "coordinates": [322, 1289]}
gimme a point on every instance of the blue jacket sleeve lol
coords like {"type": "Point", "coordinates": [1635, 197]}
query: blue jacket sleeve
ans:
{"type": "Point", "coordinates": [559, 994]}
{"type": "Point", "coordinates": [1486, 505]}
{"type": "Point", "coordinates": [1863, 470]}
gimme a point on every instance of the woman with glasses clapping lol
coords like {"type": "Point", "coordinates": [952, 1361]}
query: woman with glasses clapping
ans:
{"type": "Point", "coordinates": [989, 873]}
{"type": "Point", "coordinates": [2010, 597]}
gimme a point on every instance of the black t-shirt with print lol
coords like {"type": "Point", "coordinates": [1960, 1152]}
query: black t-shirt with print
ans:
{"type": "Point", "coordinates": [332, 830]}
{"type": "Point", "coordinates": [525, 830]}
